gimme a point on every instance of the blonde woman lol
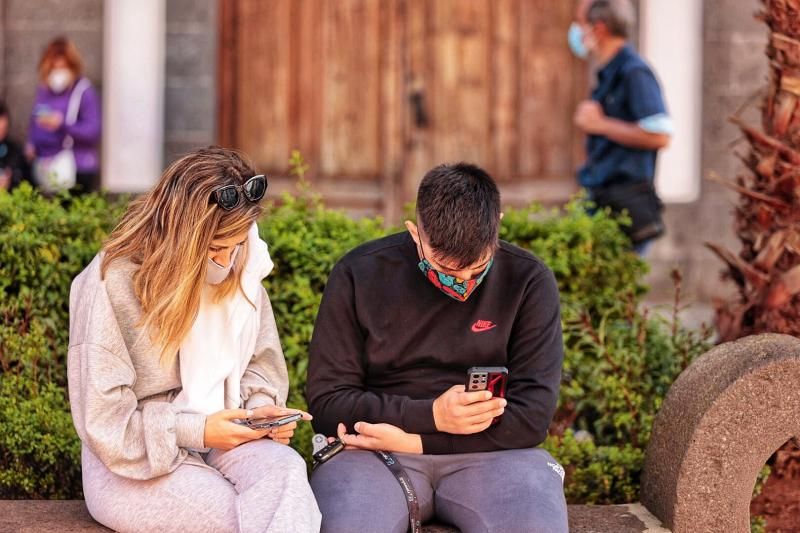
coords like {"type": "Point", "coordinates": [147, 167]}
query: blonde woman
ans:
{"type": "Point", "coordinates": [172, 345]}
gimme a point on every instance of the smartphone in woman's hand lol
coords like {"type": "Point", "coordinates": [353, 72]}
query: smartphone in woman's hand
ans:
{"type": "Point", "coordinates": [269, 422]}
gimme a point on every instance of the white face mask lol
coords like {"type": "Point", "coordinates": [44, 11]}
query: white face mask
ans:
{"type": "Point", "coordinates": [59, 79]}
{"type": "Point", "coordinates": [215, 273]}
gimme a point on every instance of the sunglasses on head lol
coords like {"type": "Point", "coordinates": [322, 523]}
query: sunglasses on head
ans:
{"type": "Point", "coordinates": [229, 196]}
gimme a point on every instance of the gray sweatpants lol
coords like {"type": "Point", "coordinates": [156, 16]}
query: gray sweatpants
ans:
{"type": "Point", "coordinates": [256, 487]}
{"type": "Point", "coordinates": [511, 491]}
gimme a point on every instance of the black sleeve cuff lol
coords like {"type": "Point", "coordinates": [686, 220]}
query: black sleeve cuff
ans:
{"type": "Point", "coordinates": [437, 443]}
{"type": "Point", "coordinates": [418, 416]}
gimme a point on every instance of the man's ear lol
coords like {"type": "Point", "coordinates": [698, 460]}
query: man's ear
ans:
{"type": "Point", "coordinates": [600, 30]}
{"type": "Point", "coordinates": [413, 230]}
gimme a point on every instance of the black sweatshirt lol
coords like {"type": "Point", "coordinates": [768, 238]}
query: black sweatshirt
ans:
{"type": "Point", "coordinates": [387, 342]}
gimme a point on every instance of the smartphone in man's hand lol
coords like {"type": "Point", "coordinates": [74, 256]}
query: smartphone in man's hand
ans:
{"type": "Point", "coordinates": [491, 378]}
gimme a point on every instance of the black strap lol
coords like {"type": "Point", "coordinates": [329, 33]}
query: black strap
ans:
{"type": "Point", "coordinates": [408, 489]}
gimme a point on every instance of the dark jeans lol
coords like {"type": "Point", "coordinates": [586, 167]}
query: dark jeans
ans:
{"type": "Point", "coordinates": [509, 491]}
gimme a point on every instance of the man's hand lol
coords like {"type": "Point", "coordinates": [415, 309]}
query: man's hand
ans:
{"type": "Point", "coordinates": [589, 117]}
{"type": "Point", "coordinates": [384, 437]}
{"type": "Point", "coordinates": [281, 434]}
{"type": "Point", "coordinates": [463, 413]}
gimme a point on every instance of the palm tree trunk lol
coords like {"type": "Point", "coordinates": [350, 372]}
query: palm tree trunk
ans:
{"type": "Point", "coordinates": [767, 219]}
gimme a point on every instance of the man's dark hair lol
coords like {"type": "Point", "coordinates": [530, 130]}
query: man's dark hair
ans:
{"type": "Point", "coordinates": [458, 207]}
{"type": "Point", "coordinates": [3, 108]}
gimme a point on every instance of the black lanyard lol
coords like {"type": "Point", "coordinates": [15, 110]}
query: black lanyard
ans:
{"type": "Point", "coordinates": [408, 489]}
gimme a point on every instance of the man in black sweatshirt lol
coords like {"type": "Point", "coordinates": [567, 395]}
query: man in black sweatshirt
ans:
{"type": "Point", "coordinates": [401, 321]}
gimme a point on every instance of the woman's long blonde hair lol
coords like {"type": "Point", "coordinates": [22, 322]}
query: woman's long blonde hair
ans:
{"type": "Point", "coordinates": [167, 233]}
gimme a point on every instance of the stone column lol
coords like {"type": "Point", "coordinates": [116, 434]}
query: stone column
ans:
{"type": "Point", "coordinates": [133, 94]}
{"type": "Point", "coordinates": [3, 48]}
{"type": "Point", "coordinates": [670, 36]}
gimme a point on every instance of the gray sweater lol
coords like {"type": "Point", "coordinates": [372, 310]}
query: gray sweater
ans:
{"type": "Point", "coordinates": [120, 393]}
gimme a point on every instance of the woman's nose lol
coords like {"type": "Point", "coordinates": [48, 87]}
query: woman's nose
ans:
{"type": "Point", "coordinates": [222, 258]}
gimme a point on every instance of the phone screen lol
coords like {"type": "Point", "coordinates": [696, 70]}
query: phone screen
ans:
{"type": "Point", "coordinates": [270, 421]}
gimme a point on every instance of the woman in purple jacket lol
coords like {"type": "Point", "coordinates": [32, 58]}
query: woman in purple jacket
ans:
{"type": "Point", "coordinates": [61, 75]}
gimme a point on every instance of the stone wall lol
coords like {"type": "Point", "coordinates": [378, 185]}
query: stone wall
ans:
{"type": "Point", "coordinates": [734, 69]}
{"type": "Point", "coordinates": [190, 99]}
{"type": "Point", "coordinates": [26, 26]}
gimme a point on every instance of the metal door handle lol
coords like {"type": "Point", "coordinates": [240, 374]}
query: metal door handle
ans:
{"type": "Point", "coordinates": [417, 98]}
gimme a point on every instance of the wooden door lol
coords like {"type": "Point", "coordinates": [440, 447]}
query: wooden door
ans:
{"type": "Point", "coordinates": [376, 92]}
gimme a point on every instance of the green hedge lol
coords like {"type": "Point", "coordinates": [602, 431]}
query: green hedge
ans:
{"type": "Point", "coordinates": [44, 243]}
{"type": "Point", "coordinates": [305, 241]}
{"type": "Point", "coordinates": [619, 361]}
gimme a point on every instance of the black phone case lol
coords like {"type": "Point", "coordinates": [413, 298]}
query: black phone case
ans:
{"type": "Point", "coordinates": [328, 451]}
{"type": "Point", "coordinates": [253, 424]}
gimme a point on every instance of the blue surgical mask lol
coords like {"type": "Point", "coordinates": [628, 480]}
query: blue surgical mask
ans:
{"type": "Point", "coordinates": [575, 40]}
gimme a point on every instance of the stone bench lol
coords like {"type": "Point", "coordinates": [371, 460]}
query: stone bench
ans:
{"type": "Point", "coordinates": [722, 419]}
{"type": "Point", "coordinates": [71, 516]}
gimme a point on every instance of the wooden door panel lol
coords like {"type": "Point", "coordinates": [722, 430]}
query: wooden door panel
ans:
{"type": "Point", "coordinates": [549, 75]}
{"type": "Point", "coordinates": [460, 82]}
{"type": "Point", "coordinates": [263, 87]}
{"type": "Point", "coordinates": [305, 104]}
{"type": "Point", "coordinates": [350, 85]}
{"type": "Point", "coordinates": [309, 77]}
{"type": "Point", "coordinates": [500, 83]}
{"type": "Point", "coordinates": [493, 81]}
{"type": "Point", "coordinates": [504, 77]}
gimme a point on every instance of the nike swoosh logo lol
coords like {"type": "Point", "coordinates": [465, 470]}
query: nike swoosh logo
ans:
{"type": "Point", "coordinates": [478, 328]}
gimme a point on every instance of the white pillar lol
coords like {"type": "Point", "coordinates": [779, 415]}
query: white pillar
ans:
{"type": "Point", "coordinates": [133, 94]}
{"type": "Point", "coordinates": [671, 37]}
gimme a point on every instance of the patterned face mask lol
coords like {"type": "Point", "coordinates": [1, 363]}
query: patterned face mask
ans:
{"type": "Point", "coordinates": [458, 289]}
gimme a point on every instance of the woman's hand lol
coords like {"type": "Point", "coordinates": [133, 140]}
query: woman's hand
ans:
{"type": "Point", "coordinates": [223, 433]}
{"type": "Point", "coordinates": [281, 434]}
{"type": "Point", "coordinates": [51, 121]}
{"type": "Point", "coordinates": [384, 437]}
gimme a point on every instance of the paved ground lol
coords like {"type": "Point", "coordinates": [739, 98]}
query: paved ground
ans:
{"type": "Point", "coordinates": [71, 517]}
